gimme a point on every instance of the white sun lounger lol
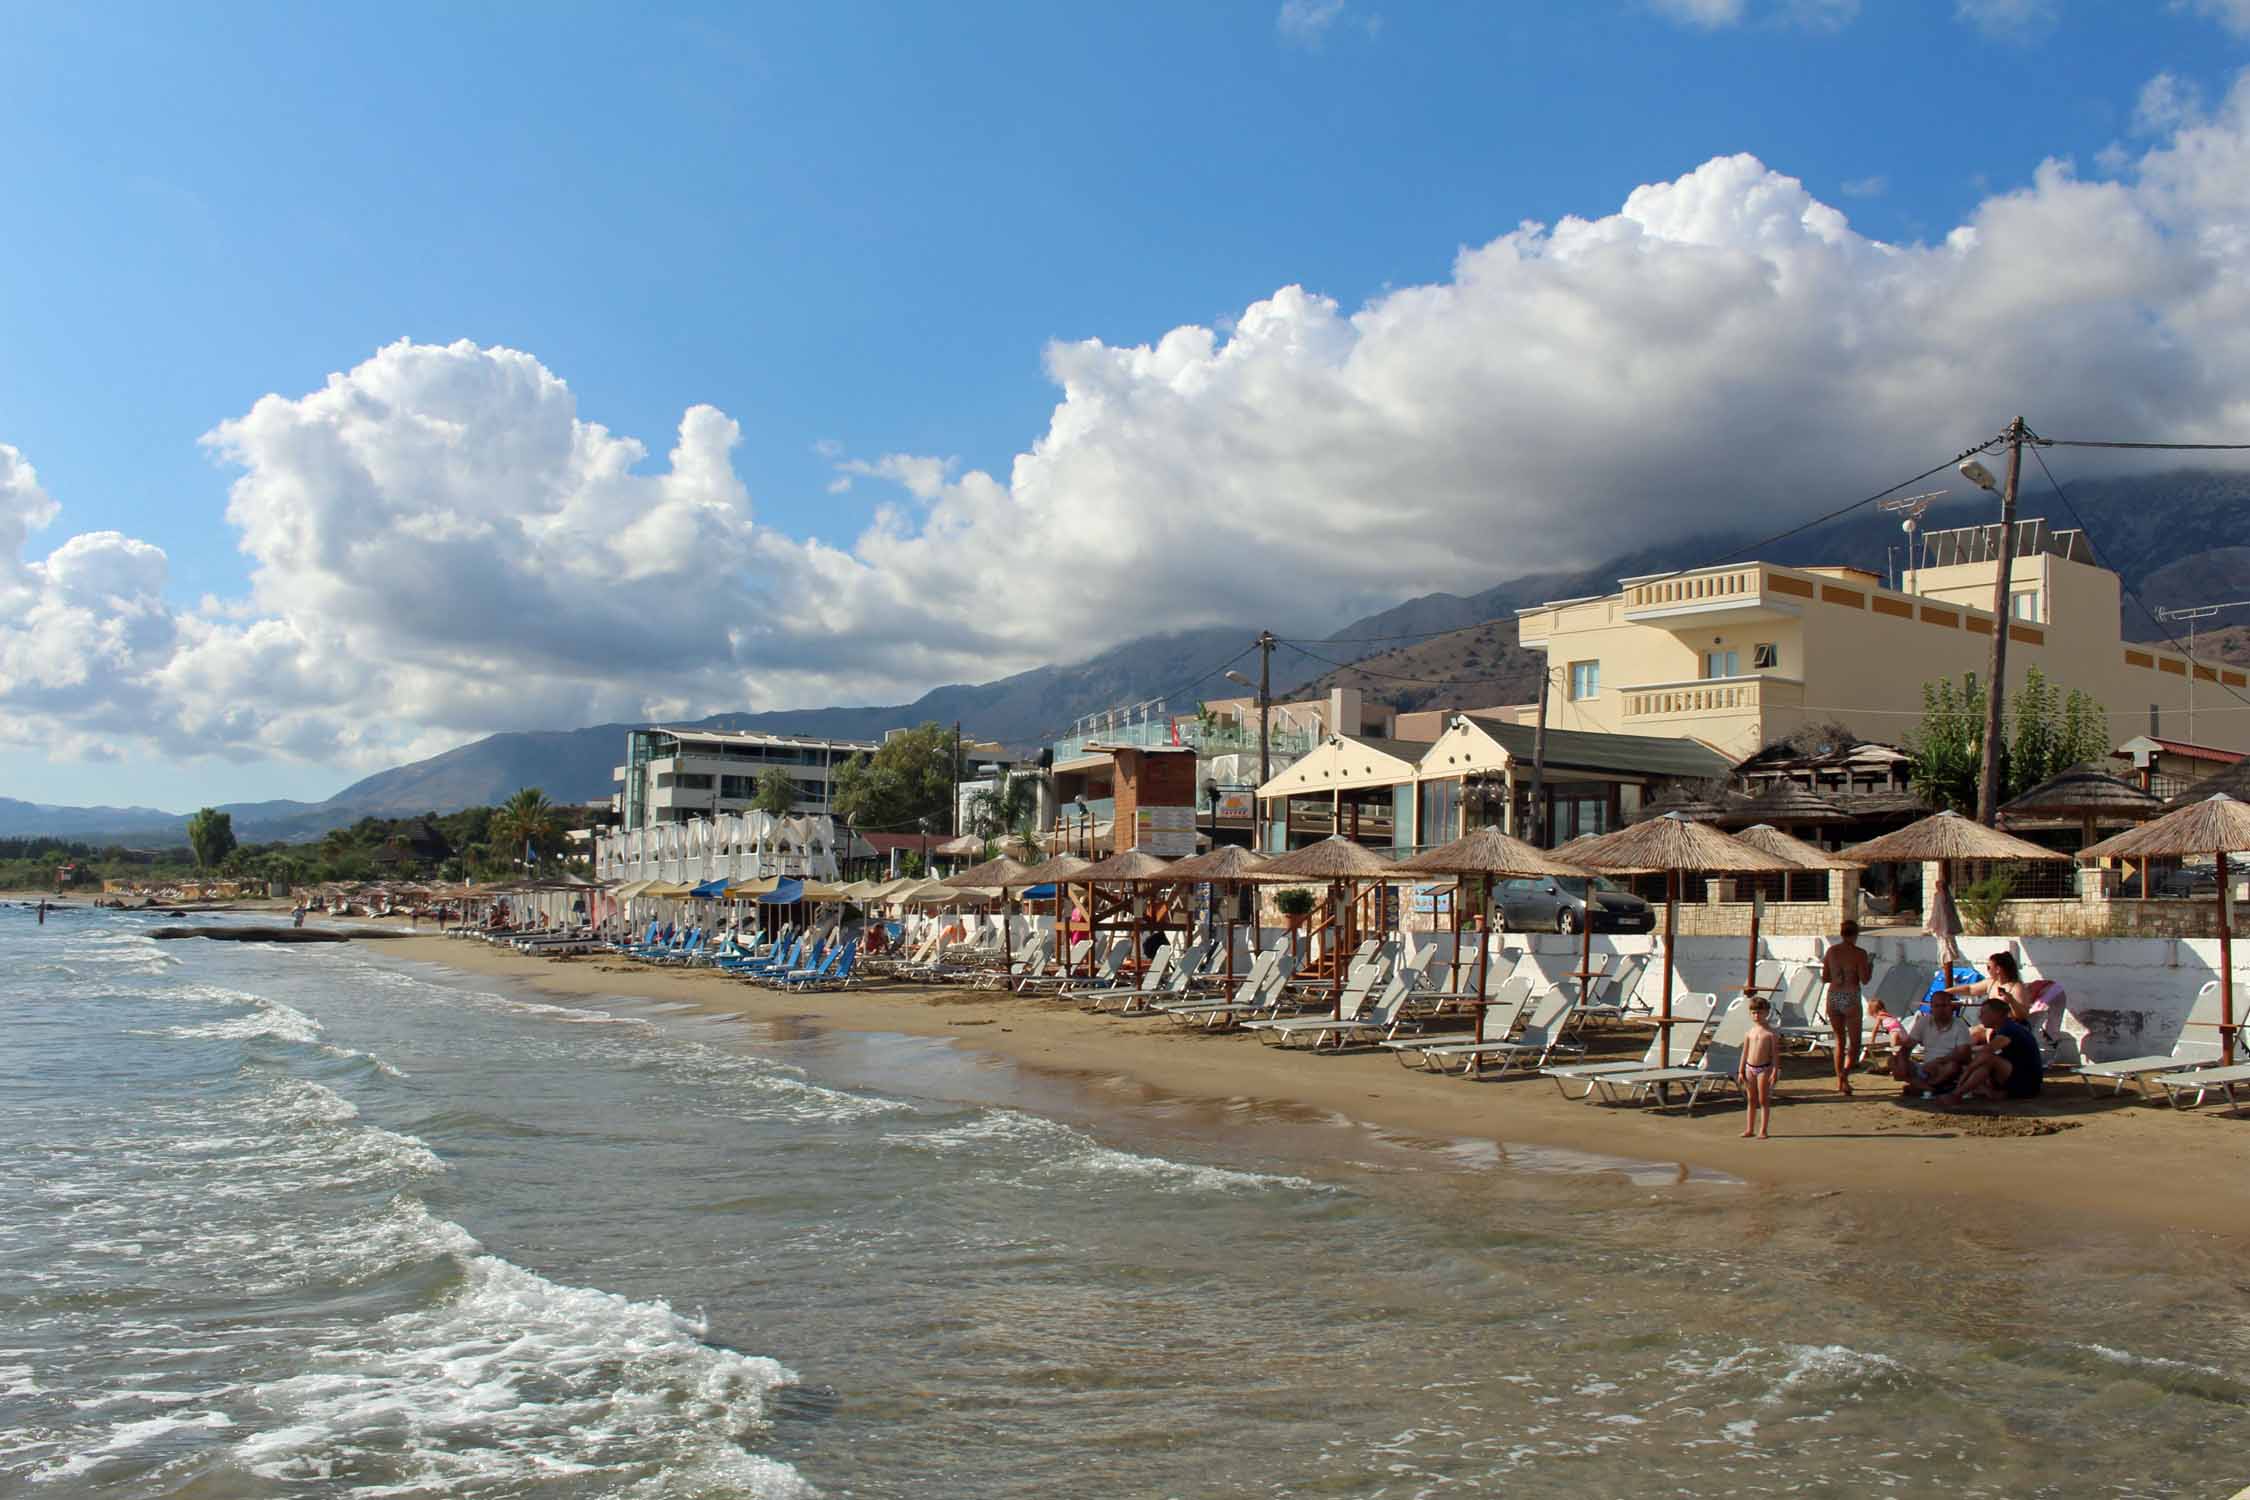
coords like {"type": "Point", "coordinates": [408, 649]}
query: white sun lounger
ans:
{"type": "Point", "coordinates": [1501, 1012]}
{"type": "Point", "coordinates": [1544, 1024]}
{"type": "Point", "coordinates": [1264, 993]}
{"type": "Point", "coordinates": [2201, 1081]}
{"type": "Point", "coordinates": [1366, 973]}
{"type": "Point", "coordinates": [1686, 1037]}
{"type": "Point", "coordinates": [2191, 1052]}
{"type": "Point", "coordinates": [1113, 964]}
{"type": "Point", "coordinates": [1722, 1056]}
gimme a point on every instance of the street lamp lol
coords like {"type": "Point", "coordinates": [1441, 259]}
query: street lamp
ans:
{"type": "Point", "coordinates": [926, 821]}
{"type": "Point", "coordinates": [1085, 825]}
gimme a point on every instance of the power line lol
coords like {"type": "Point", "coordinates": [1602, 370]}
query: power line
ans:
{"type": "Point", "coordinates": [1348, 666]}
{"type": "Point", "coordinates": [2130, 592]}
{"type": "Point", "coordinates": [1729, 556]}
{"type": "Point", "coordinates": [2160, 447]}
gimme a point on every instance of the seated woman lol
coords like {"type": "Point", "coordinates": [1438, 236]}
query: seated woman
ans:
{"type": "Point", "coordinates": [2005, 1065]}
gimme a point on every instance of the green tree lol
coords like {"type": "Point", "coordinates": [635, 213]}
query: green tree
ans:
{"type": "Point", "coordinates": [211, 835]}
{"type": "Point", "coordinates": [527, 819]}
{"type": "Point", "coordinates": [1008, 806]}
{"type": "Point", "coordinates": [1948, 745]}
{"type": "Point", "coordinates": [776, 794]}
{"type": "Point", "coordinates": [2083, 735]}
{"type": "Point", "coordinates": [908, 778]}
{"type": "Point", "coordinates": [2033, 751]}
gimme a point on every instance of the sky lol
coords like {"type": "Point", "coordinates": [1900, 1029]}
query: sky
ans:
{"type": "Point", "coordinates": [375, 379]}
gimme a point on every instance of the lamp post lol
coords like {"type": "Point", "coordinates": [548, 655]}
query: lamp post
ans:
{"type": "Point", "coordinates": [926, 847]}
{"type": "Point", "coordinates": [1085, 826]}
{"type": "Point", "coordinates": [1211, 891]}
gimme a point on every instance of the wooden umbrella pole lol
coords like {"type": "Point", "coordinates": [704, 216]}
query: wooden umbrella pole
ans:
{"type": "Point", "coordinates": [1586, 942]}
{"type": "Point", "coordinates": [1671, 913]}
{"type": "Point", "coordinates": [2226, 967]}
{"type": "Point", "coordinates": [1750, 979]}
{"type": "Point", "coordinates": [1484, 946]}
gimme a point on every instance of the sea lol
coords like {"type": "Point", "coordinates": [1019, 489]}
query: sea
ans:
{"type": "Point", "coordinates": [320, 1220]}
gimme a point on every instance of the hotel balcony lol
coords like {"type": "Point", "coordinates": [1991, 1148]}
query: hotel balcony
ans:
{"type": "Point", "coordinates": [1651, 705]}
{"type": "Point", "coordinates": [1714, 596]}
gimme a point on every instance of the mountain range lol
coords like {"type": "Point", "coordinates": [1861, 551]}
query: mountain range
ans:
{"type": "Point", "coordinates": [2176, 538]}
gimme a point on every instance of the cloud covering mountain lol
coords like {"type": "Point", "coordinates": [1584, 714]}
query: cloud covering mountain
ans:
{"type": "Point", "coordinates": [442, 543]}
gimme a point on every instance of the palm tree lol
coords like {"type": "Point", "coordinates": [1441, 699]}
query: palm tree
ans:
{"type": "Point", "coordinates": [528, 819]}
{"type": "Point", "coordinates": [1007, 806]}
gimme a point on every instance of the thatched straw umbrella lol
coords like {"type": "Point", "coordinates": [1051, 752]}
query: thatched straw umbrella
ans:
{"type": "Point", "coordinates": [1490, 854]}
{"type": "Point", "coordinates": [1056, 870]}
{"type": "Point", "coordinates": [2089, 794]}
{"type": "Point", "coordinates": [1802, 855]}
{"type": "Point", "coordinates": [1942, 838]}
{"type": "Point", "coordinates": [1121, 869]}
{"type": "Point", "coordinates": [1228, 867]}
{"type": "Point", "coordinates": [993, 874]}
{"type": "Point", "coordinates": [1345, 864]}
{"type": "Point", "coordinates": [2217, 826]}
{"type": "Point", "coordinates": [1670, 846]}
{"type": "Point", "coordinates": [1784, 805]}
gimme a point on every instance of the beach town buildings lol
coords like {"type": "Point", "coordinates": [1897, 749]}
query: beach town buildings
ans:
{"type": "Point", "coordinates": [671, 775]}
{"type": "Point", "coordinates": [1739, 655]}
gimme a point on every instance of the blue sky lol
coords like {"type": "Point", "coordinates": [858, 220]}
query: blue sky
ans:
{"type": "Point", "coordinates": [854, 230]}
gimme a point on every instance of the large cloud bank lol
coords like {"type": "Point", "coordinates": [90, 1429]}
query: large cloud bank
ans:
{"type": "Point", "coordinates": [443, 544]}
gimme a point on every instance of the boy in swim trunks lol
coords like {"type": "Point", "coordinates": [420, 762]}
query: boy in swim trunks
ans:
{"type": "Point", "coordinates": [1846, 968]}
{"type": "Point", "coordinates": [1761, 1059]}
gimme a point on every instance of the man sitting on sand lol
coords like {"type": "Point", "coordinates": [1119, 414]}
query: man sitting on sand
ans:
{"type": "Point", "coordinates": [2005, 1065]}
{"type": "Point", "coordinates": [1942, 1037]}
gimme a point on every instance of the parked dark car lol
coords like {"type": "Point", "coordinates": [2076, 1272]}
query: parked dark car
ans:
{"type": "Point", "coordinates": [1560, 906]}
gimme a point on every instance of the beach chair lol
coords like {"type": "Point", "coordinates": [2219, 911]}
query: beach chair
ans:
{"type": "Point", "coordinates": [1105, 974]}
{"type": "Point", "coordinates": [835, 971]}
{"type": "Point", "coordinates": [1610, 994]}
{"type": "Point", "coordinates": [2192, 1052]}
{"type": "Point", "coordinates": [1501, 1012]}
{"type": "Point", "coordinates": [1800, 1007]}
{"type": "Point", "coordinates": [1153, 974]}
{"type": "Point", "coordinates": [1686, 1038]}
{"type": "Point", "coordinates": [1264, 992]}
{"type": "Point", "coordinates": [1722, 1056]}
{"type": "Point", "coordinates": [1393, 1007]}
{"type": "Point", "coordinates": [1543, 1032]}
{"type": "Point", "coordinates": [2200, 1081]}
{"type": "Point", "coordinates": [1056, 975]}
{"type": "Point", "coordinates": [1179, 976]}
{"type": "Point", "coordinates": [1365, 975]}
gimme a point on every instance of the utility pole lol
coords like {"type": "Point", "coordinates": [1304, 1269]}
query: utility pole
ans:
{"type": "Point", "coordinates": [1539, 765]}
{"type": "Point", "coordinates": [1265, 730]}
{"type": "Point", "coordinates": [1996, 685]}
{"type": "Point", "coordinates": [953, 820]}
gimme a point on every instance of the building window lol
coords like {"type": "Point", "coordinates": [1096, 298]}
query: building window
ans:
{"type": "Point", "coordinates": [2024, 604]}
{"type": "Point", "coordinates": [1585, 679]}
{"type": "Point", "coordinates": [1722, 664]}
{"type": "Point", "coordinates": [1765, 656]}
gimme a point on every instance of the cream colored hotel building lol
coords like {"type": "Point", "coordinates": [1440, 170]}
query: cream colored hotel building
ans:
{"type": "Point", "coordinates": [1739, 655]}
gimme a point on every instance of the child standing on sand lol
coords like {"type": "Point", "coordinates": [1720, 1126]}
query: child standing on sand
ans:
{"type": "Point", "coordinates": [1761, 1060]}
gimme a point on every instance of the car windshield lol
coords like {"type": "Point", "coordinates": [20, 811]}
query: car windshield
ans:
{"type": "Point", "coordinates": [1576, 885]}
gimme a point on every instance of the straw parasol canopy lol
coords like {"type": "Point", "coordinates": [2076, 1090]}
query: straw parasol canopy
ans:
{"type": "Point", "coordinates": [1947, 836]}
{"type": "Point", "coordinates": [1783, 846]}
{"type": "Point", "coordinates": [2233, 780]}
{"type": "Point", "coordinates": [1787, 804]}
{"type": "Point", "coordinates": [2086, 793]}
{"type": "Point", "coordinates": [1121, 868]}
{"type": "Point", "coordinates": [2218, 826]}
{"type": "Point", "coordinates": [993, 872]}
{"type": "Point", "coordinates": [1670, 844]}
{"type": "Point", "coordinates": [1056, 869]}
{"type": "Point", "coordinates": [1487, 851]}
{"type": "Point", "coordinates": [1228, 862]}
{"type": "Point", "coordinates": [1333, 858]}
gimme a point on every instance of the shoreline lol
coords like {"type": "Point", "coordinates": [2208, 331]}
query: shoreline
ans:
{"type": "Point", "coordinates": [2067, 1158]}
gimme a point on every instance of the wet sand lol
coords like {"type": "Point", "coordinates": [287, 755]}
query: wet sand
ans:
{"type": "Point", "coordinates": [2067, 1158]}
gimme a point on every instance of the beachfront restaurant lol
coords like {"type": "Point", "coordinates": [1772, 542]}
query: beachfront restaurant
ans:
{"type": "Point", "coordinates": [1406, 795]}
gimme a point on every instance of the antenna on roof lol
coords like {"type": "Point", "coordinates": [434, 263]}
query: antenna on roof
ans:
{"type": "Point", "coordinates": [1909, 509]}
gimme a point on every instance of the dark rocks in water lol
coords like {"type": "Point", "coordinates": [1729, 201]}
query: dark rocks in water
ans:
{"type": "Point", "coordinates": [245, 934]}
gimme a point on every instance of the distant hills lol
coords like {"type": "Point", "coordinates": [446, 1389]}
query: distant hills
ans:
{"type": "Point", "coordinates": [2180, 538]}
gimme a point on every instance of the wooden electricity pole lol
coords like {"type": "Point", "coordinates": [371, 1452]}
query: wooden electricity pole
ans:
{"type": "Point", "coordinates": [1996, 685]}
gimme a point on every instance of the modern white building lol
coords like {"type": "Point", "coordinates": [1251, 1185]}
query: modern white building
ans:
{"type": "Point", "coordinates": [730, 846]}
{"type": "Point", "coordinates": [672, 775]}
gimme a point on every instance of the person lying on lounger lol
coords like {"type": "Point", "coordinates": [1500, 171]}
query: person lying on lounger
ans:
{"type": "Point", "coordinates": [1941, 1037]}
{"type": "Point", "coordinates": [2005, 1065]}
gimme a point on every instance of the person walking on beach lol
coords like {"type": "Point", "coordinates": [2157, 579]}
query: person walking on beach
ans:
{"type": "Point", "coordinates": [1761, 1060]}
{"type": "Point", "coordinates": [1846, 968]}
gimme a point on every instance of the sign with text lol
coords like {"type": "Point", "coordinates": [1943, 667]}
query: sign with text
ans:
{"type": "Point", "coordinates": [1166, 832]}
{"type": "Point", "coordinates": [1238, 807]}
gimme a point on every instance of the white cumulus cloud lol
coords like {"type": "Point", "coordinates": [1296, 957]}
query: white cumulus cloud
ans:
{"type": "Point", "coordinates": [442, 543]}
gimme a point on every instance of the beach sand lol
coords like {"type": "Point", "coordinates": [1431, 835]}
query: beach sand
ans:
{"type": "Point", "coordinates": [2066, 1158]}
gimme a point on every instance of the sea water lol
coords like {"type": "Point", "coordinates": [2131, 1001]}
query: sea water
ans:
{"type": "Point", "coordinates": [319, 1221]}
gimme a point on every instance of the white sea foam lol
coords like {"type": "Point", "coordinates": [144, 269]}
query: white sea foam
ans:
{"type": "Point", "coordinates": [515, 1378]}
{"type": "Point", "coordinates": [15, 1380]}
{"type": "Point", "coordinates": [1043, 1147]}
{"type": "Point", "coordinates": [2150, 1361]}
{"type": "Point", "coordinates": [127, 1435]}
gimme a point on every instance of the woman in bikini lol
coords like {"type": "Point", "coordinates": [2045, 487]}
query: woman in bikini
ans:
{"type": "Point", "coordinates": [1846, 968]}
{"type": "Point", "coordinates": [1761, 1060]}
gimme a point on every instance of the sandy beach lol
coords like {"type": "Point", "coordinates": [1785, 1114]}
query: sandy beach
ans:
{"type": "Point", "coordinates": [2067, 1157]}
